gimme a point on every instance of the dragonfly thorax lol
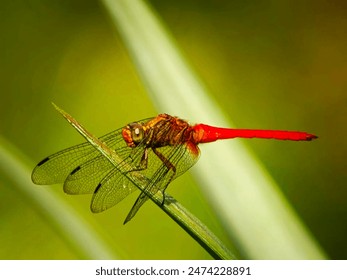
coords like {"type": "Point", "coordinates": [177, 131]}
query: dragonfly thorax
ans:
{"type": "Point", "coordinates": [163, 130]}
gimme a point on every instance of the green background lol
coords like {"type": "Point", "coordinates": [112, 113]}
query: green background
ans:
{"type": "Point", "coordinates": [269, 64]}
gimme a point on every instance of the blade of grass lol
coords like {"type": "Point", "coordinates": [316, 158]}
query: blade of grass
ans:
{"type": "Point", "coordinates": [176, 211]}
{"type": "Point", "coordinates": [244, 195]}
{"type": "Point", "coordinates": [72, 227]}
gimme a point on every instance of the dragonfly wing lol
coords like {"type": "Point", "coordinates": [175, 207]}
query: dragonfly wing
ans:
{"type": "Point", "coordinates": [142, 198]}
{"type": "Point", "coordinates": [57, 167]}
{"type": "Point", "coordinates": [111, 190]}
{"type": "Point", "coordinates": [85, 178]}
{"type": "Point", "coordinates": [117, 184]}
{"type": "Point", "coordinates": [82, 167]}
{"type": "Point", "coordinates": [182, 157]}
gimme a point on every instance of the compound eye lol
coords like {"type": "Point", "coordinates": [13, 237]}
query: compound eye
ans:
{"type": "Point", "coordinates": [137, 132]}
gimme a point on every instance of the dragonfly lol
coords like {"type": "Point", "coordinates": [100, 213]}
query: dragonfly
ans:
{"type": "Point", "coordinates": [160, 148]}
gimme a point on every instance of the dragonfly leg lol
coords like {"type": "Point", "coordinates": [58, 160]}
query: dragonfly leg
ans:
{"type": "Point", "coordinates": [143, 162]}
{"type": "Point", "coordinates": [143, 197]}
{"type": "Point", "coordinates": [169, 166]}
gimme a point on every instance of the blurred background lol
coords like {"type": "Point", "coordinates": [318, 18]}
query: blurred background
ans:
{"type": "Point", "coordinates": [269, 64]}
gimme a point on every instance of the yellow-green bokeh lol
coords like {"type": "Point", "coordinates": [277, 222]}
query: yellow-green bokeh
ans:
{"type": "Point", "coordinates": [278, 65]}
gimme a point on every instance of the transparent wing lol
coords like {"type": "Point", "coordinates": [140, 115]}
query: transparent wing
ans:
{"type": "Point", "coordinates": [84, 170]}
{"type": "Point", "coordinates": [57, 167]}
{"type": "Point", "coordinates": [111, 190]}
{"type": "Point", "coordinates": [182, 157]}
{"type": "Point", "coordinates": [115, 186]}
{"type": "Point", "coordinates": [85, 178]}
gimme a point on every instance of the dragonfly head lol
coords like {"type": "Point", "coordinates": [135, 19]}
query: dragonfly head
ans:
{"type": "Point", "coordinates": [133, 134]}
